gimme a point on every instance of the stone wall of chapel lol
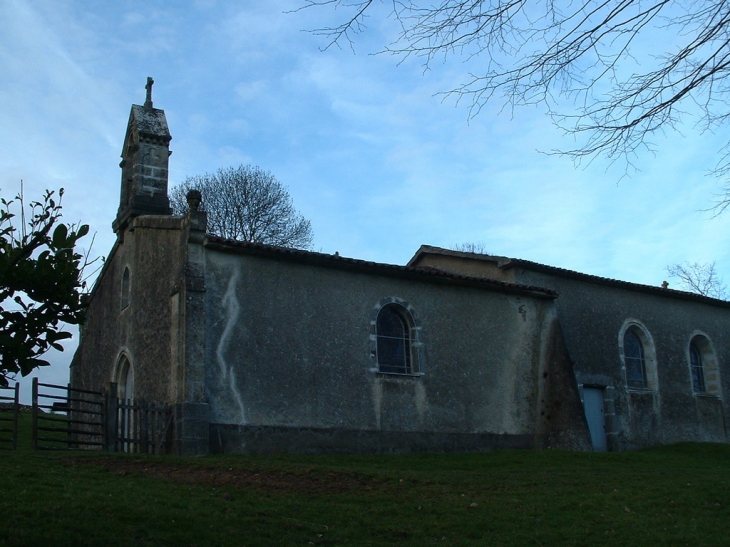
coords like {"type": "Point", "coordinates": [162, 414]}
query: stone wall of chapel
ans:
{"type": "Point", "coordinates": [289, 348]}
{"type": "Point", "coordinates": [153, 252]}
{"type": "Point", "coordinates": [592, 316]}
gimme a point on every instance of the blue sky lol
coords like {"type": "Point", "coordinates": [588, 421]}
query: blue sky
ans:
{"type": "Point", "coordinates": [370, 153]}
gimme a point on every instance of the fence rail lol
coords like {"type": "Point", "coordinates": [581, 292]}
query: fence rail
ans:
{"type": "Point", "coordinates": [9, 414]}
{"type": "Point", "coordinates": [143, 427]}
{"type": "Point", "coordinates": [66, 418]}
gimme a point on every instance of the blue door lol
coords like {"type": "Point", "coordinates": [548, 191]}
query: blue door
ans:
{"type": "Point", "coordinates": [593, 404]}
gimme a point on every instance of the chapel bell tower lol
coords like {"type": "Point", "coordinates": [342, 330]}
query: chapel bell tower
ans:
{"type": "Point", "coordinates": [144, 164]}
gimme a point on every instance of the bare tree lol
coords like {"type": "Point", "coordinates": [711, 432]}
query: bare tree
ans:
{"type": "Point", "coordinates": [631, 68]}
{"type": "Point", "coordinates": [471, 247]}
{"type": "Point", "coordinates": [247, 204]}
{"type": "Point", "coordinates": [699, 278]}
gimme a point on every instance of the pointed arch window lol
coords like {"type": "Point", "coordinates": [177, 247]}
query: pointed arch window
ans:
{"type": "Point", "coordinates": [125, 379]}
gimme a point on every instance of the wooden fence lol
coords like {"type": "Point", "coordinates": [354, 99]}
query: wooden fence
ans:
{"type": "Point", "coordinates": [9, 414]}
{"type": "Point", "coordinates": [66, 417]}
{"type": "Point", "coordinates": [69, 418]}
{"type": "Point", "coordinates": [142, 427]}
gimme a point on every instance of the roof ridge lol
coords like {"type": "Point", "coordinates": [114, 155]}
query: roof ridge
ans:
{"type": "Point", "coordinates": [220, 243]}
{"type": "Point", "coordinates": [505, 262]}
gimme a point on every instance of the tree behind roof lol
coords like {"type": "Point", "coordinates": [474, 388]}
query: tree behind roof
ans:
{"type": "Point", "coordinates": [246, 203]}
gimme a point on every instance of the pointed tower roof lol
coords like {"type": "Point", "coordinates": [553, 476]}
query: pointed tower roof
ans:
{"type": "Point", "coordinates": [144, 163]}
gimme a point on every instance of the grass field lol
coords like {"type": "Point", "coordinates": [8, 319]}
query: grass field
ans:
{"type": "Point", "coordinates": [677, 495]}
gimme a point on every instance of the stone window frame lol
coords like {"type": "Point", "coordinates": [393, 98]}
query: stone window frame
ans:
{"type": "Point", "coordinates": [649, 357]}
{"type": "Point", "coordinates": [416, 345]}
{"type": "Point", "coordinates": [708, 362]}
{"type": "Point", "coordinates": [125, 289]}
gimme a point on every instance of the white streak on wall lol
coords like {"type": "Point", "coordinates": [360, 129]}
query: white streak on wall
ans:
{"type": "Point", "coordinates": [421, 399]}
{"type": "Point", "coordinates": [237, 395]}
{"type": "Point", "coordinates": [231, 308]}
{"type": "Point", "coordinates": [377, 400]}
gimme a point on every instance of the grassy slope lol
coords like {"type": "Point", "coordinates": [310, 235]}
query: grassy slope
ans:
{"type": "Point", "coordinates": [678, 495]}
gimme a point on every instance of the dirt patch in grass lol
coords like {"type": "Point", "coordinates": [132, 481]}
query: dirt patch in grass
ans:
{"type": "Point", "coordinates": [308, 481]}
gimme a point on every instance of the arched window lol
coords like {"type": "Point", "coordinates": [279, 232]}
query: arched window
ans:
{"type": "Point", "coordinates": [634, 360]}
{"type": "Point", "coordinates": [638, 356]}
{"type": "Point", "coordinates": [696, 370]}
{"type": "Point", "coordinates": [125, 289]}
{"type": "Point", "coordinates": [703, 367]}
{"type": "Point", "coordinates": [393, 331]}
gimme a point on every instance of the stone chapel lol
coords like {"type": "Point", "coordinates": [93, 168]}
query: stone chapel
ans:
{"type": "Point", "coordinates": [264, 349]}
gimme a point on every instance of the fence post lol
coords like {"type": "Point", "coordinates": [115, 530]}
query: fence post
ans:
{"type": "Point", "coordinates": [69, 435]}
{"type": "Point", "coordinates": [143, 427]}
{"type": "Point", "coordinates": [34, 427]}
{"type": "Point", "coordinates": [111, 411]}
{"type": "Point", "coordinates": [16, 415]}
{"type": "Point", "coordinates": [169, 417]}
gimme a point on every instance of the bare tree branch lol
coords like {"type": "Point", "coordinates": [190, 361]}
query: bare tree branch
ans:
{"type": "Point", "coordinates": [471, 247]}
{"type": "Point", "coordinates": [630, 68]}
{"type": "Point", "coordinates": [699, 278]}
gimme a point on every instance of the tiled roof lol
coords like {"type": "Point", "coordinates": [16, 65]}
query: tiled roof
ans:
{"type": "Point", "coordinates": [431, 275]}
{"type": "Point", "coordinates": [506, 263]}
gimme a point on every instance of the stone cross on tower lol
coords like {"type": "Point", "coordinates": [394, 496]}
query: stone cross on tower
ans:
{"type": "Point", "coordinates": [148, 87]}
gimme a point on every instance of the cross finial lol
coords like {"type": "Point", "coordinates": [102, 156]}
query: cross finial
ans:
{"type": "Point", "coordinates": [148, 87]}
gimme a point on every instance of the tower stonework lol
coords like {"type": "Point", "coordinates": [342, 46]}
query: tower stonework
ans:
{"type": "Point", "coordinates": [144, 164]}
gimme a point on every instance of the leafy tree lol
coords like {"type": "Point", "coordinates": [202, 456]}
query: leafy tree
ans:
{"type": "Point", "coordinates": [247, 204]}
{"type": "Point", "coordinates": [628, 68]}
{"type": "Point", "coordinates": [699, 278]}
{"type": "Point", "coordinates": [41, 282]}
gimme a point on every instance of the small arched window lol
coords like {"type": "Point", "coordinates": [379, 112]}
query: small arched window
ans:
{"type": "Point", "coordinates": [696, 370]}
{"type": "Point", "coordinates": [393, 331]}
{"type": "Point", "coordinates": [634, 360]}
{"type": "Point", "coordinates": [125, 289]}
